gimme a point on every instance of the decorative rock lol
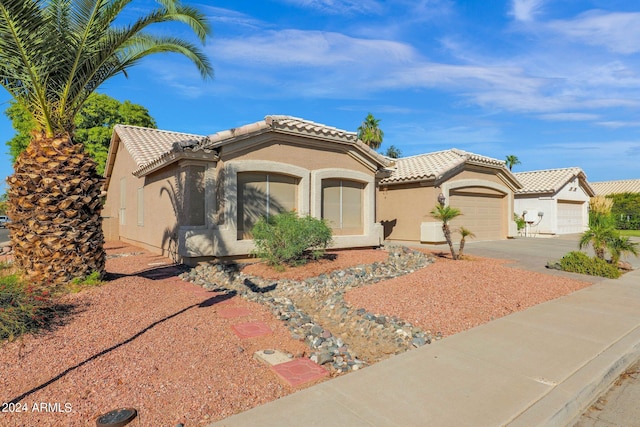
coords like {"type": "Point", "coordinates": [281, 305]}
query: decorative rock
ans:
{"type": "Point", "coordinates": [328, 290]}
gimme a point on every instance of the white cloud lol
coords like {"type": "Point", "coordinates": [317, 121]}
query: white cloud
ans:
{"type": "Point", "coordinates": [289, 48]}
{"type": "Point", "coordinates": [525, 10]}
{"type": "Point", "coordinates": [617, 124]}
{"type": "Point", "coordinates": [617, 31]}
{"type": "Point", "coordinates": [339, 7]}
{"type": "Point", "coordinates": [569, 117]}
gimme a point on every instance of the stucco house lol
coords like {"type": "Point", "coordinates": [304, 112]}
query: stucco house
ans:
{"type": "Point", "coordinates": [481, 187]}
{"type": "Point", "coordinates": [197, 197]}
{"type": "Point", "coordinates": [554, 201]}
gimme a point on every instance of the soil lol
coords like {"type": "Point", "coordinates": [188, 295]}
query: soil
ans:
{"type": "Point", "coordinates": [148, 340]}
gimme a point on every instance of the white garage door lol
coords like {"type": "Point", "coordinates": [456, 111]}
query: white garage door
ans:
{"type": "Point", "coordinates": [483, 214]}
{"type": "Point", "coordinates": [570, 217]}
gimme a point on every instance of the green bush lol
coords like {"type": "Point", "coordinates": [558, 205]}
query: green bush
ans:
{"type": "Point", "coordinates": [579, 262]}
{"type": "Point", "coordinates": [23, 307]}
{"type": "Point", "coordinates": [287, 238]}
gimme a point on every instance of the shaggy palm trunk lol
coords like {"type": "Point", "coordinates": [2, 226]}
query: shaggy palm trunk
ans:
{"type": "Point", "coordinates": [447, 236]}
{"type": "Point", "coordinates": [54, 206]}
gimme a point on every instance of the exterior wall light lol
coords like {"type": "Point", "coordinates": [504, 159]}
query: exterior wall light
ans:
{"type": "Point", "coordinates": [441, 199]}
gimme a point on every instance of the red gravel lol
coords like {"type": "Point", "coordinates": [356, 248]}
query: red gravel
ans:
{"type": "Point", "coordinates": [156, 345]}
{"type": "Point", "coordinates": [452, 296]}
{"type": "Point", "coordinates": [148, 340]}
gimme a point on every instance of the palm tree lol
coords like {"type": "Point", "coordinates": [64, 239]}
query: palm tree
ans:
{"type": "Point", "coordinates": [619, 246]}
{"type": "Point", "coordinates": [370, 133]}
{"type": "Point", "coordinates": [512, 160]}
{"type": "Point", "coordinates": [446, 214]}
{"type": "Point", "coordinates": [599, 237]}
{"type": "Point", "coordinates": [393, 152]}
{"type": "Point", "coordinates": [464, 233]}
{"type": "Point", "coordinates": [53, 55]}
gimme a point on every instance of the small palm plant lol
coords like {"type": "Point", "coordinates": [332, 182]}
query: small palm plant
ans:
{"type": "Point", "coordinates": [598, 236]}
{"type": "Point", "coordinates": [446, 214]}
{"type": "Point", "coordinates": [619, 246]}
{"type": "Point", "coordinates": [464, 233]}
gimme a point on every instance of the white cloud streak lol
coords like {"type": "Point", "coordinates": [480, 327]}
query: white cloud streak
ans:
{"type": "Point", "coordinates": [525, 10]}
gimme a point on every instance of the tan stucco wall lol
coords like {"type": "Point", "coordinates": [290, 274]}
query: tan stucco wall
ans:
{"type": "Point", "coordinates": [311, 158]}
{"type": "Point", "coordinates": [402, 208]}
{"type": "Point", "coordinates": [158, 214]}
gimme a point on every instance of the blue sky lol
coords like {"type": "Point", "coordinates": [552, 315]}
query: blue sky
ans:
{"type": "Point", "coordinates": [555, 83]}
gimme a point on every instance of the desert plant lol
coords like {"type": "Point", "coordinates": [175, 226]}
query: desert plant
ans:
{"type": "Point", "coordinates": [600, 212]}
{"type": "Point", "coordinates": [520, 222]}
{"type": "Point", "coordinates": [599, 237]}
{"type": "Point", "coordinates": [464, 233]}
{"type": "Point", "coordinates": [446, 214]}
{"type": "Point", "coordinates": [286, 238]}
{"type": "Point", "coordinates": [579, 262]}
{"type": "Point", "coordinates": [619, 246]}
{"type": "Point", "coordinates": [23, 307]}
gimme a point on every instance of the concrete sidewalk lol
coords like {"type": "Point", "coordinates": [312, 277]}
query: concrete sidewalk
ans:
{"type": "Point", "coordinates": [540, 367]}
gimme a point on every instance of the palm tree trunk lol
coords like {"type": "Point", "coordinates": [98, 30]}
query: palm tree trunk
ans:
{"type": "Point", "coordinates": [54, 206]}
{"type": "Point", "coordinates": [447, 236]}
{"type": "Point", "coordinates": [461, 249]}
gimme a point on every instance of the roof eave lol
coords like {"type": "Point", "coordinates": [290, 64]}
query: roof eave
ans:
{"type": "Point", "coordinates": [171, 157]}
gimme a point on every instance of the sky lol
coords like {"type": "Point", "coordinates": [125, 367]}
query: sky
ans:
{"type": "Point", "coordinates": [555, 83]}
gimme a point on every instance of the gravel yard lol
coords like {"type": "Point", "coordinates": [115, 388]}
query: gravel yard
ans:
{"type": "Point", "coordinates": [149, 340]}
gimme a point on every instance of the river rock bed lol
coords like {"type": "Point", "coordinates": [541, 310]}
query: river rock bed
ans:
{"type": "Point", "coordinates": [340, 337]}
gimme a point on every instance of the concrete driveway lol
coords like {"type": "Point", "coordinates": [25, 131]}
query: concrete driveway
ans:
{"type": "Point", "coordinates": [533, 253]}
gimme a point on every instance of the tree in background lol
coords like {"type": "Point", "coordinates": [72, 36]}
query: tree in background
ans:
{"type": "Point", "coordinates": [370, 133]}
{"type": "Point", "coordinates": [94, 125]}
{"type": "Point", "coordinates": [512, 160]}
{"type": "Point", "coordinates": [626, 210]}
{"type": "Point", "coordinates": [393, 152]}
{"type": "Point", "coordinates": [53, 55]}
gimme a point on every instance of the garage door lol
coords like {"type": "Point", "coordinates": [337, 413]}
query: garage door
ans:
{"type": "Point", "coordinates": [570, 217]}
{"type": "Point", "coordinates": [484, 214]}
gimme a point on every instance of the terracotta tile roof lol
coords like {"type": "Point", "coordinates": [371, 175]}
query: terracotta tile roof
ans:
{"type": "Point", "coordinates": [295, 126]}
{"type": "Point", "coordinates": [148, 146]}
{"type": "Point", "coordinates": [435, 165]}
{"type": "Point", "coordinates": [550, 180]}
{"type": "Point", "coordinates": [612, 187]}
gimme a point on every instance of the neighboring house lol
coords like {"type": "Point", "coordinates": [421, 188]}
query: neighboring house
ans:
{"type": "Point", "coordinates": [481, 187]}
{"type": "Point", "coordinates": [197, 197]}
{"type": "Point", "coordinates": [605, 188]}
{"type": "Point", "coordinates": [554, 201]}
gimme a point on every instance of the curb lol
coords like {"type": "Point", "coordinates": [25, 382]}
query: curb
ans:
{"type": "Point", "coordinates": [565, 403]}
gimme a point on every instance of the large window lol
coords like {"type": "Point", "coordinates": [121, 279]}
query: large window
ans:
{"type": "Point", "coordinates": [342, 205]}
{"type": "Point", "coordinates": [263, 194]}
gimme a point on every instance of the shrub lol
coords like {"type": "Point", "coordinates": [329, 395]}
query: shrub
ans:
{"type": "Point", "coordinates": [579, 262]}
{"type": "Point", "coordinates": [287, 238]}
{"type": "Point", "coordinates": [23, 307]}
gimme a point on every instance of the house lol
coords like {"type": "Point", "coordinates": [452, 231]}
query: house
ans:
{"type": "Point", "coordinates": [554, 201]}
{"type": "Point", "coordinates": [481, 187]}
{"type": "Point", "coordinates": [606, 188]}
{"type": "Point", "coordinates": [195, 197]}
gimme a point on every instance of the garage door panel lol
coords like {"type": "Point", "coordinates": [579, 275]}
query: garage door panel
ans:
{"type": "Point", "coordinates": [570, 217]}
{"type": "Point", "coordinates": [483, 214]}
